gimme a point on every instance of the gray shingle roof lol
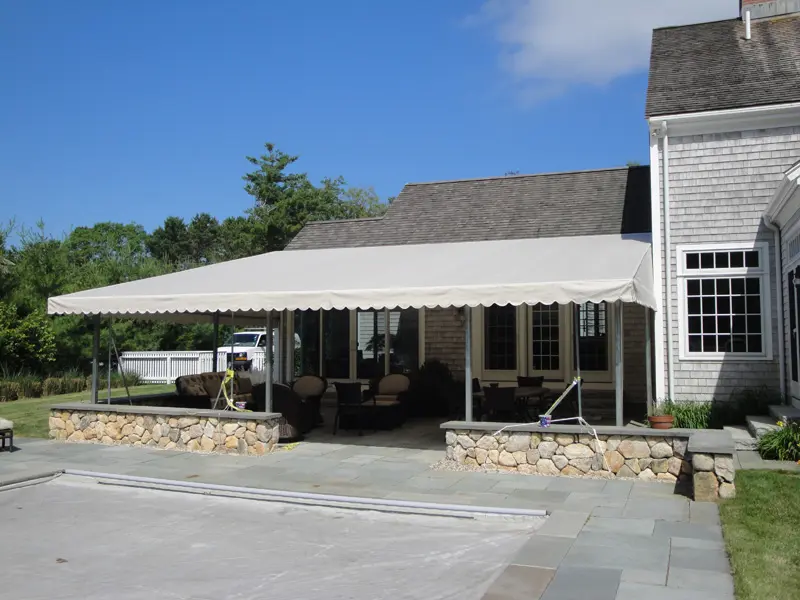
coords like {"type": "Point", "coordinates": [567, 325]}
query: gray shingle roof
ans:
{"type": "Point", "coordinates": [711, 66]}
{"type": "Point", "coordinates": [608, 201]}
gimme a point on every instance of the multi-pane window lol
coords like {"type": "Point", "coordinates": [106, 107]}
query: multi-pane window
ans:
{"type": "Point", "coordinates": [545, 337]}
{"type": "Point", "coordinates": [500, 338]}
{"type": "Point", "coordinates": [724, 301]}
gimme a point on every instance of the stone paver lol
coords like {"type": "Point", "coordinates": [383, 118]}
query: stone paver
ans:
{"type": "Point", "coordinates": [621, 540]}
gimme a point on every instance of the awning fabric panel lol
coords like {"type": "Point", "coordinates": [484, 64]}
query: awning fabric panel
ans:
{"type": "Point", "coordinates": [526, 271]}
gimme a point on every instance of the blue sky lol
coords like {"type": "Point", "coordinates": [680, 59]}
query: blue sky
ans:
{"type": "Point", "coordinates": [134, 111]}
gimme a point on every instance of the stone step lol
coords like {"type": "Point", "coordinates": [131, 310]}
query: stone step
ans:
{"type": "Point", "coordinates": [781, 412]}
{"type": "Point", "coordinates": [759, 425]}
{"type": "Point", "coordinates": [742, 439]}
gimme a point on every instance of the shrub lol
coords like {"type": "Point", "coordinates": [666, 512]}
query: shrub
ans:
{"type": "Point", "coordinates": [9, 390]}
{"type": "Point", "coordinates": [30, 385]}
{"type": "Point", "coordinates": [781, 444]}
{"type": "Point", "coordinates": [431, 390]}
{"type": "Point", "coordinates": [689, 415]}
{"type": "Point", "coordinates": [132, 379]}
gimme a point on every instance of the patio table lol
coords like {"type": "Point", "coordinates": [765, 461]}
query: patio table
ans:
{"type": "Point", "coordinates": [521, 394]}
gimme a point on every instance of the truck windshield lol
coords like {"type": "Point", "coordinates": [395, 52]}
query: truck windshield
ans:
{"type": "Point", "coordinates": [243, 339]}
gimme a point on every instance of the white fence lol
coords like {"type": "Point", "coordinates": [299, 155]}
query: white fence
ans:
{"type": "Point", "coordinates": [165, 367]}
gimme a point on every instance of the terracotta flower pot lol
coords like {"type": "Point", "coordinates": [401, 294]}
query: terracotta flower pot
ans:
{"type": "Point", "coordinates": [661, 422]}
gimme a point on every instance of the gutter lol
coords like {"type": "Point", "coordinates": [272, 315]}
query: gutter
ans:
{"type": "Point", "coordinates": [776, 236]}
{"type": "Point", "coordinates": [668, 262]}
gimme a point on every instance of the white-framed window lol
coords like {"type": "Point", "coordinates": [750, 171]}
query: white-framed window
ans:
{"type": "Point", "coordinates": [724, 302]}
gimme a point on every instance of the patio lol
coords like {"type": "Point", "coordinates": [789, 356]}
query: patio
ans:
{"type": "Point", "coordinates": [607, 540]}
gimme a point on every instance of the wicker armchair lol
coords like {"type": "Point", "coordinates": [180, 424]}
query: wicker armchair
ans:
{"type": "Point", "coordinates": [311, 389]}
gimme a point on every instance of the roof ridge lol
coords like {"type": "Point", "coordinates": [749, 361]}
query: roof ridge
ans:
{"type": "Point", "coordinates": [327, 221]}
{"type": "Point", "coordinates": [552, 173]}
{"type": "Point", "coordinates": [687, 25]}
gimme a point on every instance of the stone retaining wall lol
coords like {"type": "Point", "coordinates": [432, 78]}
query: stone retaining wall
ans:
{"type": "Point", "coordinates": [666, 456]}
{"type": "Point", "coordinates": [648, 458]}
{"type": "Point", "coordinates": [206, 431]}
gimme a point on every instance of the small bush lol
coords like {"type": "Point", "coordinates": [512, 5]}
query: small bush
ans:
{"type": "Point", "coordinates": [690, 415]}
{"type": "Point", "coordinates": [781, 444]}
{"type": "Point", "coordinates": [132, 379]}
{"type": "Point", "coordinates": [9, 391]}
{"type": "Point", "coordinates": [53, 386]}
{"type": "Point", "coordinates": [30, 385]}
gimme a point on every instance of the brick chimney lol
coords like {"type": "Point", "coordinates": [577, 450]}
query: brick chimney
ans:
{"type": "Point", "coordinates": [761, 9]}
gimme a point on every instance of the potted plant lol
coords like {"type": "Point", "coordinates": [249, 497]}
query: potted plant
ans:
{"type": "Point", "coordinates": [661, 417]}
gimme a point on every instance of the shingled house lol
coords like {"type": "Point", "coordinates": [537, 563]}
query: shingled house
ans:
{"type": "Point", "coordinates": [508, 340]}
{"type": "Point", "coordinates": [723, 106]}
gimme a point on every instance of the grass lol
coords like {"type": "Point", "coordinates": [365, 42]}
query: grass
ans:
{"type": "Point", "coordinates": [761, 528]}
{"type": "Point", "coordinates": [30, 414]}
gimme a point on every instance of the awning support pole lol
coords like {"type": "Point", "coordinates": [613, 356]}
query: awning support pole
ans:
{"type": "Point", "coordinates": [95, 358]}
{"type": "Point", "coordinates": [288, 364]}
{"type": "Point", "coordinates": [576, 312]}
{"type": "Point", "coordinates": [648, 367]}
{"type": "Point", "coordinates": [268, 366]}
{"type": "Point", "coordinates": [618, 361]}
{"type": "Point", "coordinates": [215, 343]}
{"type": "Point", "coordinates": [468, 364]}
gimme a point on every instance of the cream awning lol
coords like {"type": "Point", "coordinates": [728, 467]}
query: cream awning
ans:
{"type": "Point", "coordinates": [526, 271]}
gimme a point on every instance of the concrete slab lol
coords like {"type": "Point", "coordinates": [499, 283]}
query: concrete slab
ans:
{"type": "Point", "coordinates": [563, 523]}
{"type": "Point", "coordinates": [641, 591]}
{"type": "Point", "coordinates": [704, 513]}
{"type": "Point", "coordinates": [622, 526]}
{"type": "Point", "coordinates": [578, 583]}
{"type": "Point", "coordinates": [520, 582]}
{"type": "Point", "coordinates": [699, 559]}
{"type": "Point", "coordinates": [545, 551]}
{"type": "Point", "coordinates": [664, 509]}
{"type": "Point", "coordinates": [223, 548]}
{"type": "Point", "coordinates": [668, 529]}
{"type": "Point", "coordinates": [701, 580]}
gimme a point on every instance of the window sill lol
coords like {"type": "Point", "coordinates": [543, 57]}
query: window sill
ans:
{"type": "Point", "coordinates": [725, 358]}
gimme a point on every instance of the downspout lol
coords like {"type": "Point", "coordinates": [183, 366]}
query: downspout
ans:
{"type": "Point", "coordinates": [668, 263]}
{"type": "Point", "coordinates": [776, 236]}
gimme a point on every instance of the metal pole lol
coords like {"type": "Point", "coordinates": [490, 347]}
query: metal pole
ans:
{"type": "Point", "coordinates": [576, 324]}
{"type": "Point", "coordinates": [468, 364]}
{"type": "Point", "coordinates": [119, 362]}
{"type": "Point", "coordinates": [215, 343]}
{"type": "Point", "coordinates": [618, 361]}
{"type": "Point", "coordinates": [648, 367]}
{"type": "Point", "coordinates": [230, 357]}
{"type": "Point", "coordinates": [289, 368]}
{"type": "Point", "coordinates": [95, 358]}
{"type": "Point", "coordinates": [268, 366]}
{"type": "Point", "coordinates": [108, 364]}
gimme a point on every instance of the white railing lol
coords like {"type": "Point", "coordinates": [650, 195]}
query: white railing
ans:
{"type": "Point", "coordinates": [165, 367]}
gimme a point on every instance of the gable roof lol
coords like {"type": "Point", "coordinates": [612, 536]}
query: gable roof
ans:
{"type": "Point", "coordinates": [601, 202]}
{"type": "Point", "coordinates": [711, 66]}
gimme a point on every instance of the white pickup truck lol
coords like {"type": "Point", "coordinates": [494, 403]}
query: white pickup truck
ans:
{"type": "Point", "coordinates": [247, 343]}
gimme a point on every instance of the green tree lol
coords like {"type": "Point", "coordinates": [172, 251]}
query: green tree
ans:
{"type": "Point", "coordinates": [203, 236]}
{"type": "Point", "coordinates": [170, 242]}
{"type": "Point", "coordinates": [27, 343]}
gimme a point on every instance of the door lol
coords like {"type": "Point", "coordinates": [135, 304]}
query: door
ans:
{"type": "Point", "coordinates": [594, 324]}
{"type": "Point", "coordinates": [546, 348]}
{"type": "Point", "coordinates": [794, 338]}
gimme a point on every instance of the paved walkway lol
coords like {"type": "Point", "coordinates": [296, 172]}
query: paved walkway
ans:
{"type": "Point", "coordinates": [604, 540]}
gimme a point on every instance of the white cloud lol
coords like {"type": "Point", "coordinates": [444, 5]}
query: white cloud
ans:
{"type": "Point", "coordinates": [549, 46]}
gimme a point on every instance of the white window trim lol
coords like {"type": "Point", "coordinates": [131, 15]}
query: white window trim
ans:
{"type": "Point", "coordinates": [766, 299]}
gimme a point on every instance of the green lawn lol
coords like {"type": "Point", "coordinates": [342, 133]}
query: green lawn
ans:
{"type": "Point", "coordinates": [30, 414]}
{"type": "Point", "coordinates": [762, 534]}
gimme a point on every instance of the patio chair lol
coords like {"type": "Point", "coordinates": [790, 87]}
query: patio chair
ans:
{"type": "Point", "coordinates": [530, 381]}
{"type": "Point", "coordinates": [6, 435]}
{"type": "Point", "coordinates": [386, 399]}
{"type": "Point", "coordinates": [350, 405]}
{"type": "Point", "coordinates": [500, 403]}
{"type": "Point", "coordinates": [296, 415]}
{"type": "Point", "coordinates": [311, 389]}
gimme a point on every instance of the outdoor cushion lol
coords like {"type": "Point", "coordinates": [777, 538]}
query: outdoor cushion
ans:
{"type": "Point", "coordinates": [386, 400]}
{"type": "Point", "coordinates": [245, 386]}
{"type": "Point", "coordinates": [6, 424]}
{"type": "Point", "coordinates": [308, 386]}
{"type": "Point", "coordinates": [392, 385]}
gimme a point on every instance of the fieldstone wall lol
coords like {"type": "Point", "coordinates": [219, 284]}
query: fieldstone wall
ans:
{"type": "Point", "coordinates": [713, 477]}
{"type": "Point", "coordinates": [642, 457]}
{"type": "Point", "coordinates": [203, 433]}
{"type": "Point", "coordinates": [702, 458]}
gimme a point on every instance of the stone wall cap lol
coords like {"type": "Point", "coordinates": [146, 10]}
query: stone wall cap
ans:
{"type": "Point", "coordinates": [536, 428]}
{"type": "Point", "coordinates": [165, 411]}
{"type": "Point", "coordinates": [711, 441]}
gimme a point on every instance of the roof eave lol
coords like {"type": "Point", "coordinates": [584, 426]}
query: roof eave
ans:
{"type": "Point", "coordinates": [734, 119]}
